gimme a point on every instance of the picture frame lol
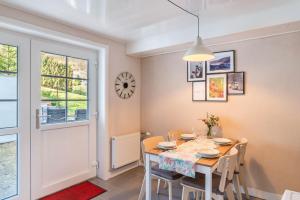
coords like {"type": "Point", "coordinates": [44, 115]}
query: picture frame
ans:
{"type": "Point", "coordinates": [216, 87]}
{"type": "Point", "coordinates": [223, 62]}
{"type": "Point", "coordinates": [199, 91]}
{"type": "Point", "coordinates": [196, 71]}
{"type": "Point", "coordinates": [236, 83]}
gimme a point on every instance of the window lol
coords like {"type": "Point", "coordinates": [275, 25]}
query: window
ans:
{"type": "Point", "coordinates": [64, 89]}
{"type": "Point", "coordinates": [8, 86]}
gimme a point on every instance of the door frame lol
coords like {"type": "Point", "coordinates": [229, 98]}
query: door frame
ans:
{"type": "Point", "coordinates": [23, 120]}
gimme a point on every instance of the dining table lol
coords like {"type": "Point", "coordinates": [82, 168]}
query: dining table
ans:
{"type": "Point", "coordinates": [204, 165]}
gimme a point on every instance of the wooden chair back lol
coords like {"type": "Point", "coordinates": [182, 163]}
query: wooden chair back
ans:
{"type": "Point", "coordinates": [241, 147]}
{"type": "Point", "coordinates": [174, 134]}
{"type": "Point", "coordinates": [226, 167]}
{"type": "Point", "coordinates": [150, 143]}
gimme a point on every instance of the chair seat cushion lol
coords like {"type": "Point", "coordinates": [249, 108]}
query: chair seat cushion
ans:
{"type": "Point", "coordinates": [170, 175]}
{"type": "Point", "coordinates": [199, 182]}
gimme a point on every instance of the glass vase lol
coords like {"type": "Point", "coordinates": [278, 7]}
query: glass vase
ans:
{"type": "Point", "coordinates": [209, 132]}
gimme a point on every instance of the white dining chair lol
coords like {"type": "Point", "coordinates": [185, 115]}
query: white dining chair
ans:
{"type": "Point", "coordinates": [239, 174]}
{"type": "Point", "coordinates": [220, 183]}
{"type": "Point", "coordinates": [160, 174]}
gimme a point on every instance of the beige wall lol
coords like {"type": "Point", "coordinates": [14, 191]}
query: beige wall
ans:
{"type": "Point", "coordinates": [268, 115]}
{"type": "Point", "coordinates": [124, 115]}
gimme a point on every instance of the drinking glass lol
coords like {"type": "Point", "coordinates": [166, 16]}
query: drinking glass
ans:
{"type": "Point", "coordinates": [172, 138]}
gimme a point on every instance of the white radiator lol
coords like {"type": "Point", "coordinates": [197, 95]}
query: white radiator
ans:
{"type": "Point", "coordinates": [125, 149]}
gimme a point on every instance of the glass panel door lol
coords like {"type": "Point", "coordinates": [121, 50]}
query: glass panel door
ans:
{"type": "Point", "coordinates": [14, 132]}
{"type": "Point", "coordinates": [8, 119]}
{"type": "Point", "coordinates": [64, 101]}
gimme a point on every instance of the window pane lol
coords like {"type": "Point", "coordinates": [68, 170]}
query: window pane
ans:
{"type": "Point", "coordinates": [53, 112]}
{"type": "Point", "coordinates": [53, 64]}
{"type": "Point", "coordinates": [8, 86]}
{"type": "Point", "coordinates": [77, 89]}
{"type": "Point", "coordinates": [8, 114]}
{"type": "Point", "coordinates": [8, 166]}
{"type": "Point", "coordinates": [61, 86]}
{"type": "Point", "coordinates": [77, 68]}
{"type": "Point", "coordinates": [77, 110]}
{"type": "Point", "coordinates": [53, 88]}
{"type": "Point", "coordinates": [8, 58]}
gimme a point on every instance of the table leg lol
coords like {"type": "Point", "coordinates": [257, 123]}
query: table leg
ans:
{"type": "Point", "coordinates": [208, 185]}
{"type": "Point", "coordinates": [148, 177]}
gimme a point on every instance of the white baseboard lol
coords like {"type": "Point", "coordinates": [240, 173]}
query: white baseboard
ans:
{"type": "Point", "coordinates": [122, 170]}
{"type": "Point", "coordinates": [262, 194]}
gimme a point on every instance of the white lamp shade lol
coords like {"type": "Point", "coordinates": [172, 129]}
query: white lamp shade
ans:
{"type": "Point", "coordinates": [198, 52]}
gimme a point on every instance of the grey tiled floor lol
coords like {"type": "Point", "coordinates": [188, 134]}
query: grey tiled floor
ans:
{"type": "Point", "coordinates": [127, 186]}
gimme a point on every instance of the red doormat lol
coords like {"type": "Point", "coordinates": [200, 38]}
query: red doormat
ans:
{"type": "Point", "coordinates": [82, 191]}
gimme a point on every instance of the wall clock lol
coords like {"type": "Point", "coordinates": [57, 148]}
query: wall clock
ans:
{"type": "Point", "coordinates": [125, 85]}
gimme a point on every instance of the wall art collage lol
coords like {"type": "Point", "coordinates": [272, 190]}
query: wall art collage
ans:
{"type": "Point", "coordinates": [214, 80]}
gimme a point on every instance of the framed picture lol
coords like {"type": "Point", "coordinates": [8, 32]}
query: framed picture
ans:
{"type": "Point", "coordinates": [195, 71]}
{"type": "Point", "coordinates": [223, 62]}
{"type": "Point", "coordinates": [236, 83]}
{"type": "Point", "coordinates": [216, 87]}
{"type": "Point", "coordinates": [199, 91]}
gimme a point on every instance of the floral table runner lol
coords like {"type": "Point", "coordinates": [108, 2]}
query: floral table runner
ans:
{"type": "Point", "coordinates": [183, 159]}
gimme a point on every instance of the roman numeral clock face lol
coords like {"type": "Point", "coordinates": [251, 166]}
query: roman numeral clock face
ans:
{"type": "Point", "coordinates": [125, 85]}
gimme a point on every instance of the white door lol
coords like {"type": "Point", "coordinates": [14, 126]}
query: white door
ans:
{"type": "Point", "coordinates": [63, 116]}
{"type": "Point", "coordinates": [14, 116]}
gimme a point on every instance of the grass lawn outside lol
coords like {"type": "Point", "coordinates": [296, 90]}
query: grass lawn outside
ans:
{"type": "Point", "coordinates": [52, 94]}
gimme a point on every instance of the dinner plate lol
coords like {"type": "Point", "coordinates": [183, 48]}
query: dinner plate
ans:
{"type": "Point", "coordinates": [222, 140]}
{"type": "Point", "coordinates": [167, 144]}
{"type": "Point", "coordinates": [209, 153]}
{"type": "Point", "coordinates": [166, 148]}
{"type": "Point", "coordinates": [188, 136]}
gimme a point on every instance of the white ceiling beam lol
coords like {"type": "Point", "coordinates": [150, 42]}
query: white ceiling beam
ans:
{"type": "Point", "coordinates": [180, 32]}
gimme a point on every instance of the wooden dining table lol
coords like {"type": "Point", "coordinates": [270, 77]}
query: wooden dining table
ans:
{"type": "Point", "coordinates": [204, 165]}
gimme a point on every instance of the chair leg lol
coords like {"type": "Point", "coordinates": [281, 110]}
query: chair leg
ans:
{"type": "Point", "coordinates": [202, 195]}
{"type": "Point", "coordinates": [170, 190]}
{"type": "Point", "coordinates": [237, 186]}
{"type": "Point", "coordinates": [158, 185]}
{"type": "Point", "coordinates": [185, 193]}
{"type": "Point", "coordinates": [197, 195]}
{"type": "Point", "coordinates": [194, 194]}
{"type": "Point", "coordinates": [229, 192]}
{"type": "Point", "coordinates": [243, 182]}
{"type": "Point", "coordinates": [142, 191]}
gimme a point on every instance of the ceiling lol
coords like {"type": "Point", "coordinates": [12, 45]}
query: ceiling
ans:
{"type": "Point", "coordinates": [147, 25]}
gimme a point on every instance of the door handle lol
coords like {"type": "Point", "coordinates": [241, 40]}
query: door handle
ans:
{"type": "Point", "coordinates": [37, 119]}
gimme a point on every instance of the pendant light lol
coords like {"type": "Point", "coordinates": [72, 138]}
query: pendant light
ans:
{"type": "Point", "coordinates": [198, 52]}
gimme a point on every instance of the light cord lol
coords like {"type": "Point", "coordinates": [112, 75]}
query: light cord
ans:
{"type": "Point", "coordinates": [185, 10]}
